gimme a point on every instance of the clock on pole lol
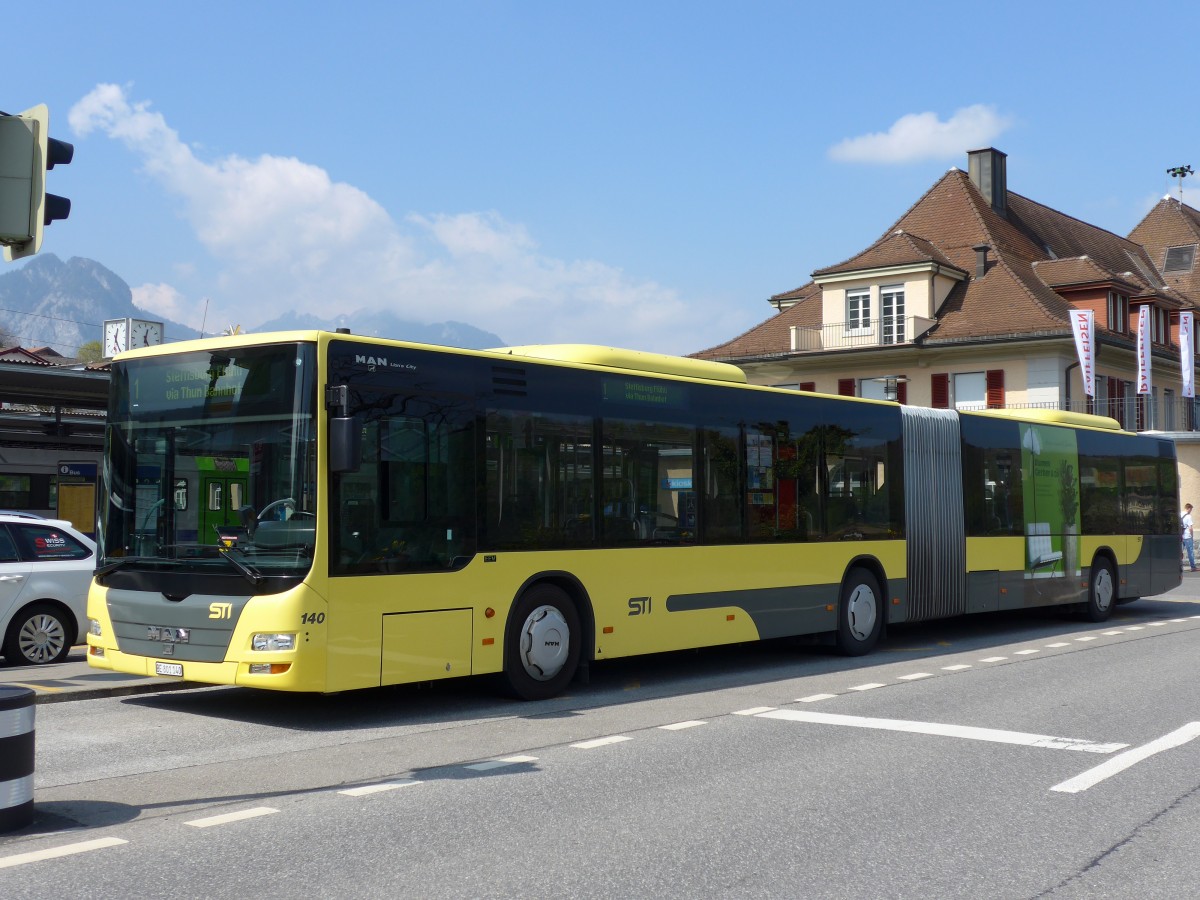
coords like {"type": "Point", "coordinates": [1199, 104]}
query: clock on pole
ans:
{"type": "Point", "coordinates": [116, 336]}
{"type": "Point", "coordinates": [143, 333]}
{"type": "Point", "coordinates": [129, 334]}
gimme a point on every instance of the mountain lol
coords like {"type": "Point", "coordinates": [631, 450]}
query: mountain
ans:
{"type": "Point", "coordinates": [63, 305]}
{"type": "Point", "coordinates": [383, 324]}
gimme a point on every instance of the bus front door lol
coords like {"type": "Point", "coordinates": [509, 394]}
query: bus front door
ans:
{"type": "Point", "coordinates": [222, 496]}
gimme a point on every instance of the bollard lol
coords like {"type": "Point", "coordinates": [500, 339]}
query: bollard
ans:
{"type": "Point", "coordinates": [16, 757]}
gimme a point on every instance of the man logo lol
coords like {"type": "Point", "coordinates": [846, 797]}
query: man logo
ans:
{"type": "Point", "coordinates": [371, 360]}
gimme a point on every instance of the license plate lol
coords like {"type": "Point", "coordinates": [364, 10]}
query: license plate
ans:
{"type": "Point", "coordinates": [175, 669]}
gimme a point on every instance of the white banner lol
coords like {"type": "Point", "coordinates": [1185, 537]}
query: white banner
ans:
{"type": "Point", "coordinates": [1084, 325]}
{"type": "Point", "coordinates": [1187, 352]}
{"type": "Point", "coordinates": [1143, 349]}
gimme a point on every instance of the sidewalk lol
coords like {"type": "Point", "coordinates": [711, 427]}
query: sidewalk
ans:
{"type": "Point", "coordinates": [74, 679]}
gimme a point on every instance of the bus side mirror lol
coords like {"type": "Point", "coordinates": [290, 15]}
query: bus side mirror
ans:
{"type": "Point", "coordinates": [345, 444]}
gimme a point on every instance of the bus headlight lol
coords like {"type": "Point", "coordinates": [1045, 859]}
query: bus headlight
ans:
{"type": "Point", "coordinates": [273, 642]}
{"type": "Point", "coordinates": [94, 627]}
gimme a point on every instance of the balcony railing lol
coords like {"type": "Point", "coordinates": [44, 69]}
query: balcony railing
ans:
{"type": "Point", "coordinates": [849, 336]}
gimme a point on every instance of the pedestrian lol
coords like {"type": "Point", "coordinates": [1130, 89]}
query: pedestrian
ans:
{"type": "Point", "coordinates": [1189, 546]}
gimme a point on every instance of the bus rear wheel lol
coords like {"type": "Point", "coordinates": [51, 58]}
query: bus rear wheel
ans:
{"type": "Point", "coordinates": [860, 614]}
{"type": "Point", "coordinates": [1102, 592]}
{"type": "Point", "coordinates": [542, 646]}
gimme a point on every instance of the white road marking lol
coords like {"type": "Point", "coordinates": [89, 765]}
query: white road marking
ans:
{"type": "Point", "coordinates": [995, 735]}
{"type": "Point", "coordinates": [813, 698]}
{"type": "Point", "coordinates": [1059, 644]}
{"type": "Point", "coordinates": [868, 687]}
{"type": "Point", "coordinates": [753, 711]}
{"type": "Point", "coordinates": [500, 763]}
{"type": "Point", "coordinates": [1027, 652]}
{"type": "Point", "coordinates": [225, 819]}
{"type": "Point", "coordinates": [1084, 640]}
{"type": "Point", "coordinates": [1129, 758]}
{"type": "Point", "coordinates": [21, 859]}
{"type": "Point", "coordinates": [1107, 634]}
{"type": "Point", "coordinates": [994, 659]}
{"type": "Point", "coordinates": [601, 742]}
{"type": "Point", "coordinates": [1135, 628]}
{"type": "Point", "coordinates": [1157, 624]}
{"type": "Point", "coordinates": [957, 668]}
{"type": "Point", "coordinates": [376, 788]}
{"type": "Point", "coordinates": [915, 675]}
{"type": "Point", "coordinates": [679, 726]}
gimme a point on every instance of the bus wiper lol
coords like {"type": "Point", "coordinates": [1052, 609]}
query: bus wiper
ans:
{"type": "Point", "coordinates": [111, 567]}
{"type": "Point", "coordinates": [105, 569]}
{"type": "Point", "coordinates": [252, 574]}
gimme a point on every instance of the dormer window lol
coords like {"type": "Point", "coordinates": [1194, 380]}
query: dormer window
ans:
{"type": "Point", "coordinates": [1179, 260]}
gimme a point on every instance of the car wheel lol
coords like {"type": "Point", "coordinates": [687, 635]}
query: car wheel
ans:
{"type": "Point", "coordinates": [37, 636]}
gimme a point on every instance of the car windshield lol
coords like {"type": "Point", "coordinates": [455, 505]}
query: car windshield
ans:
{"type": "Point", "coordinates": [209, 463]}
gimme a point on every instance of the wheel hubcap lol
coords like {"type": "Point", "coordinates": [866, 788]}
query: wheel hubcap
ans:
{"type": "Point", "coordinates": [545, 643]}
{"type": "Point", "coordinates": [861, 612]}
{"type": "Point", "coordinates": [41, 639]}
{"type": "Point", "coordinates": [1102, 590]}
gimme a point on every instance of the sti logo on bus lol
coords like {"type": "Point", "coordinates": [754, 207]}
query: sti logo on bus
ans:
{"type": "Point", "coordinates": [220, 610]}
{"type": "Point", "coordinates": [639, 606]}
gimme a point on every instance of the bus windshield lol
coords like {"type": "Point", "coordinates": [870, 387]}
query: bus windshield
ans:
{"type": "Point", "coordinates": [210, 464]}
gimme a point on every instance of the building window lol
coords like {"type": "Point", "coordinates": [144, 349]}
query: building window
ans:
{"type": "Point", "coordinates": [1158, 318]}
{"type": "Point", "coordinates": [891, 302]}
{"type": "Point", "coordinates": [1118, 313]}
{"type": "Point", "coordinates": [970, 390]}
{"type": "Point", "coordinates": [858, 311]}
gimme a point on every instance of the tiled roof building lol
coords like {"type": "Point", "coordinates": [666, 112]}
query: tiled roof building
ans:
{"type": "Point", "coordinates": [965, 301]}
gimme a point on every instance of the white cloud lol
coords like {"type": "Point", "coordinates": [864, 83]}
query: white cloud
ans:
{"type": "Point", "coordinates": [287, 237]}
{"type": "Point", "coordinates": [922, 136]}
{"type": "Point", "coordinates": [165, 301]}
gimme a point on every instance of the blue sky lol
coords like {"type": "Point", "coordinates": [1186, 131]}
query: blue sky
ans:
{"type": "Point", "coordinates": [635, 174]}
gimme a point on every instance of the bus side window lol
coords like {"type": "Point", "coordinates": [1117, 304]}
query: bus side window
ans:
{"type": "Point", "coordinates": [648, 483]}
{"type": "Point", "coordinates": [721, 501]}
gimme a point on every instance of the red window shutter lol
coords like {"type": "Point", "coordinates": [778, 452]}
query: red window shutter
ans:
{"type": "Point", "coordinates": [902, 392]}
{"type": "Point", "coordinates": [809, 386]}
{"type": "Point", "coordinates": [995, 389]}
{"type": "Point", "coordinates": [846, 387]}
{"type": "Point", "coordinates": [940, 385]}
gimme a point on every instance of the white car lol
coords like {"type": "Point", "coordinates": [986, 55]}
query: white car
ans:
{"type": "Point", "coordinates": [45, 571]}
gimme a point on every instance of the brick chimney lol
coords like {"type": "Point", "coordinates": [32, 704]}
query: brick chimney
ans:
{"type": "Point", "coordinates": [988, 170]}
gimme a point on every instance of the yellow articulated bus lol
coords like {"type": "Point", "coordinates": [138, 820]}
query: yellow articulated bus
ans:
{"type": "Point", "coordinates": [316, 511]}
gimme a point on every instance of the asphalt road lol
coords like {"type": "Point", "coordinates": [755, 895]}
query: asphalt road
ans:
{"type": "Point", "coordinates": [1007, 756]}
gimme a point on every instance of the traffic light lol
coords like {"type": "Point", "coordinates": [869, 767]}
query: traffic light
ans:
{"type": "Point", "coordinates": [26, 152]}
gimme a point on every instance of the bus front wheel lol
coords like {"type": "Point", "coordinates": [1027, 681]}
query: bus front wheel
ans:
{"type": "Point", "coordinates": [1102, 591]}
{"type": "Point", "coordinates": [860, 614]}
{"type": "Point", "coordinates": [542, 648]}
